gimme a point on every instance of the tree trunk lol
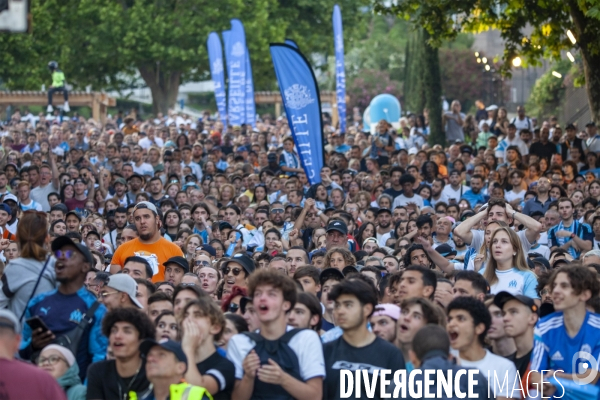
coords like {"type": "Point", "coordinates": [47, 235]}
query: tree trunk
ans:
{"type": "Point", "coordinates": [164, 87]}
{"type": "Point", "coordinates": [432, 83]}
{"type": "Point", "coordinates": [586, 31]}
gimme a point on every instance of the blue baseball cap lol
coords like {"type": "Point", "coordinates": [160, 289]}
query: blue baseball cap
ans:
{"type": "Point", "coordinates": [167, 344]}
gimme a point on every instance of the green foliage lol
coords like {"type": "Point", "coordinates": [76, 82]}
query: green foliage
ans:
{"type": "Point", "coordinates": [103, 43]}
{"type": "Point", "coordinates": [548, 93]}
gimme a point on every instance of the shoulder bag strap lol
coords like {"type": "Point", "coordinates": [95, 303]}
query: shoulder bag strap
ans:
{"type": "Point", "coordinates": [35, 288]}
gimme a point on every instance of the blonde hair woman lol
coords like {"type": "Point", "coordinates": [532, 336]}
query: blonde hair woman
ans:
{"type": "Point", "coordinates": [227, 193]}
{"type": "Point", "coordinates": [339, 258]}
{"type": "Point", "coordinates": [507, 268]}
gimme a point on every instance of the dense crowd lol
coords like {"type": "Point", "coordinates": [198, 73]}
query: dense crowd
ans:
{"type": "Point", "coordinates": [175, 258]}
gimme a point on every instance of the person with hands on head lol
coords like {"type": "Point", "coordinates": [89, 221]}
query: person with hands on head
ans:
{"type": "Point", "coordinates": [202, 326]}
{"type": "Point", "coordinates": [498, 210]}
{"type": "Point", "coordinates": [260, 373]}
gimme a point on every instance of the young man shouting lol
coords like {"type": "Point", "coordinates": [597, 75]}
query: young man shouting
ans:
{"type": "Point", "coordinates": [259, 369]}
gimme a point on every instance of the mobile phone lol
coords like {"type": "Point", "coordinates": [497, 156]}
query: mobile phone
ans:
{"type": "Point", "coordinates": [36, 322]}
{"type": "Point", "coordinates": [232, 245]}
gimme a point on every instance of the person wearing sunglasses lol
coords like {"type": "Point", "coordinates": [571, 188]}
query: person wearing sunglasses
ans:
{"type": "Point", "coordinates": [231, 303]}
{"type": "Point", "coordinates": [236, 270]}
{"type": "Point", "coordinates": [56, 307]}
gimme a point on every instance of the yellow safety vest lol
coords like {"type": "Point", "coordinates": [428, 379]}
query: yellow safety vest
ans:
{"type": "Point", "coordinates": [182, 391]}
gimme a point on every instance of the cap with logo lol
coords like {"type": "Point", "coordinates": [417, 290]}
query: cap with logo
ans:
{"type": "Point", "coordinates": [126, 284]}
{"type": "Point", "coordinates": [337, 226]}
{"type": "Point", "coordinates": [122, 181]}
{"type": "Point", "coordinates": [503, 297]}
{"type": "Point", "coordinates": [10, 197]}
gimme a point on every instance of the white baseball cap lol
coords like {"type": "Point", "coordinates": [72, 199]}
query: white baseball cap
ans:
{"type": "Point", "coordinates": [126, 284]}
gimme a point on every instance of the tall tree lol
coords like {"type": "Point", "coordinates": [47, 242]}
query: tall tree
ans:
{"type": "Point", "coordinates": [104, 43]}
{"type": "Point", "coordinates": [432, 85]}
{"type": "Point", "coordinates": [531, 30]}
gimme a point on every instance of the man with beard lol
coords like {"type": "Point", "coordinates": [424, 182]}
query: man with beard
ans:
{"type": "Point", "coordinates": [454, 191]}
{"type": "Point", "coordinates": [120, 221]}
{"type": "Point", "coordinates": [149, 245]}
{"type": "Point", "coordinates": [544, 148]}
{"type": "Point", "coordinates": [383, 321]}
{"type": "Point", "coordinates": [437, 192]}
{"type": "Point", "coordinates": [542, 201]}
{"type": "Point", "coordinates": [156, 191]}
{"type": "Point", "coordinates": [121, 192]}
{"type": "Point", "coordinates": [136, 183]}
{"type": "Point", "coordinates": [384, 226]}
{"type": "Point", "coordinates": [139, 166]}
{"type": "Point", "coordinates": [276, 215]}
{"type": "Point", "coordinates": [62, 309]}
{"type": "Point", "coordinates": [475, 195]}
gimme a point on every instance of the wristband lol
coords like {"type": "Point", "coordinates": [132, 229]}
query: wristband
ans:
{"type": "Point", "coordinates": [572, 235]}
{"type": "Point", "coordinates": [513, 214]}
{"type": "Point", "coordinates": [319, 213]}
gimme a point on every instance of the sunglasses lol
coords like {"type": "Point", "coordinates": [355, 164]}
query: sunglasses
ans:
{"type": "Point", "coordinates": [65, 254]}
{"type": "Point", "coordinates": [202, 262]}
{"type": "Point", "coordinates": [233, 308]}
{"type": "Point", "coordinates": [234, 271]}
{"type": "Point", "coordinates": [277, 211]}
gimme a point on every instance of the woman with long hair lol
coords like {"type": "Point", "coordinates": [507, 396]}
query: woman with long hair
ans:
{"type": "Point", "coordinates": [66, 192]}
{"type": "Point", "coordinates": [507, 268]}
{"type": "Point", "coordinates": [190, 245]}
{"type": "Point", "coordinates": [182, 141]}
{"type": "Point", "coordinates": [259, 193]}
{"type": "Point", "coordinates": [365, 231]}
{"type": "Point", "coordinates": [425, 192]}
{"type": "Point", "coordinates": [33, 272]}
{"type": "Point", "coordinates": [556, 192]}
{"type": "Point", "coordinates": [501, 126]}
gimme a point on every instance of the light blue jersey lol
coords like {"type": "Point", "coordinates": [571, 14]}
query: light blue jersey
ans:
{"type": "Point", "coordinates": [554, 349]}
{"type": "Point", "coordinates": [515, 282]}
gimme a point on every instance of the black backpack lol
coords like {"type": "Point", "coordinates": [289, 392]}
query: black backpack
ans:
{"type": "Point", "coordinates": [280, 352]}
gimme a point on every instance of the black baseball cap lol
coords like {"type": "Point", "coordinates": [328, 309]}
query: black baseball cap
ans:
{"type": "Point", "coordinates": [246, 262]}
{"type": "Point", "coordinates": [167, 344]}
{"type": "Point", "coordinates": [543, 261]}
{"type": "Point", "coordinates": [135, 175]}
{"type": "Point", "coordinates": [329, 273]}
{"type": "Point", "coordinates": [570, 127]}
{"type": "Point", "coordinates": [337, 225]}
{"type": "Point", "coordinates": [383, 211]}
{"type": "Point", "coordinates": [63, 241]}
{"type": "Point", "coordinates": [179, 261]}
{"type": "Point", "coordinates": [207, 248]}
{"type": "Point", "coordinates": [224, 225]}
{"type": "Point", "coordinates": [445, 250]}
{"type": "Point", "coordinates": [75, 213]}
{"type": "Point", "coordinates": [501, 298]}
{"type": "Point", "coordinates": [591, 123]}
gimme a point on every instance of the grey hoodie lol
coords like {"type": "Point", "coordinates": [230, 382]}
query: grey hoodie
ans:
{"type": "Point", "coordinates": [19, 279]}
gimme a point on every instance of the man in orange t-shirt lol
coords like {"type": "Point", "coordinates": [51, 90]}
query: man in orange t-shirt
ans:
{"type": "Point", "coordinates": [149, 245]}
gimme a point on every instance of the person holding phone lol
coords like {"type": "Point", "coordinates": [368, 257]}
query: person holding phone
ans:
{"type": "Point", "coordinates": [52, 315]}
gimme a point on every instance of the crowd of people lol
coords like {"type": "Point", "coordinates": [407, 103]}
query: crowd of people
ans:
{"type": "Point", "coordinates": [175, 258]}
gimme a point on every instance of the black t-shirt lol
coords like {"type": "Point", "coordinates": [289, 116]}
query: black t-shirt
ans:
{"type": "Point", "coordinates": [393, 192]}
{"type": "Point", "coordinates": [521, 363]}
{"type": "Point", "coordinates": [380, 354]}
{"type": "Point", "coordinates": [105, 383]}
{"type": "Point", "coordinates": [223, 371]}
{"type": "Point", "coordinates": [543, 150]}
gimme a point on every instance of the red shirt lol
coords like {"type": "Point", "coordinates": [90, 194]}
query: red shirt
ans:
{"type": "Point", "coordinates": [20, 380]}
